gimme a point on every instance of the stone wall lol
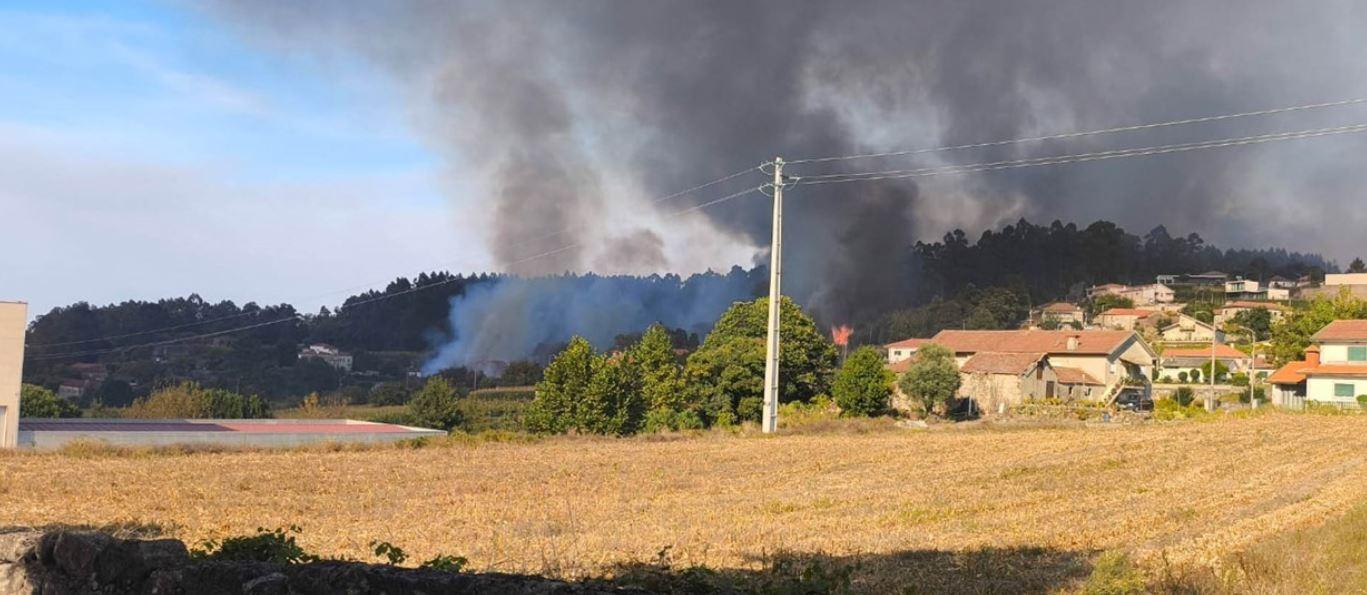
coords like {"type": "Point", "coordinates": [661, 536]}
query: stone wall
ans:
{"type": "Point", "coordinates": [61, 562]}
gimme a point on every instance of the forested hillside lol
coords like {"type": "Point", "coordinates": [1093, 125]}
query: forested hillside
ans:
{"type": "Point", "coordinates": [990, 283]}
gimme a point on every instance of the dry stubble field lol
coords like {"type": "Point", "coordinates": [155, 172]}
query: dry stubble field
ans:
{"type": "Point", "coordinates": [1187, 493]}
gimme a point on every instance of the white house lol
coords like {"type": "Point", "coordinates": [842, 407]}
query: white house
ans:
{"type": "Point", "coordinates": [1063, 313]}
{"type": "Point", "coordinates": [1342, 371]}
{"type": "Point", "coordinates": [1176, 360]}
{"type": "Point", "coordinates": [1125, 319]}
{"type": "Point", "coordinates": [1334, 369]}
{"type": "Point", "coordinates": [903, 349]}
{"type": "Point", "coordinates": [328, 354]}
{"type": "Point", "coordinates": [1186, 329]}
{"type": "Point", "coordinates": [1228, 311]}
{"type": "Point", "coordinates": [1146, 295]}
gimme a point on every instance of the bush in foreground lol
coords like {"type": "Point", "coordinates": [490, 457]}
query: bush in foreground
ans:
{"type": "Point", "coordinates": [863, 386]}
{"type": "Point", "coordinates": [933, 379]}
{"type": "Point", "coordinates": [435, 405]}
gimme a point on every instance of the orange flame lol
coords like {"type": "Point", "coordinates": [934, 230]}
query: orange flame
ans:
{"type": "Point", "coordinates": [841, 335]}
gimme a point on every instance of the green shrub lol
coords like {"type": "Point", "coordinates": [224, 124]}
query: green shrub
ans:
{"type": "Point", "coordinates": [933, 379]}
{"type": "Point", "coordinates": [36, 401]}
{"type": "Point", "coordinates": [445, 563]}
{"type": "Point", "coordinates": [435, 405]}
{"type": "Point", "coordinates": [277, 547]}
{"type": "Point", "coordinates": [863, 385]}
{"type": "Point", "coordinates": [389, 393]}
{"type": "Point", "coordinates": [1183, 376]}
{"type": "Point", "coordinates": [1362, 401]}
{"type": "Point", "coordinates": [189, 400]}
{"type": "Point", "coordinates": [1170, 409]}
{"type": "Point", "coordinates": [1183, 396]}
{"type": "Point", "coordinates": [392, 554]}
{"type": "Point", "coordinates": [1114, 574]}
{"type": "Point", "coordinates": [661, 420]}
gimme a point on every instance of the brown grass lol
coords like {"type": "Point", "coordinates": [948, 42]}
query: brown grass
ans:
{"type": "Point", "coordinates": [1173, 495]}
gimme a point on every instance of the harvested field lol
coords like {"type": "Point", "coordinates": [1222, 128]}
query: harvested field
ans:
{"type": "Point", "coordinates": [1191, 493]}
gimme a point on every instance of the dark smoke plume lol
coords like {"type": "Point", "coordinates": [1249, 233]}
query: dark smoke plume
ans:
{"type": "Point", "coordinates": [571, 112]}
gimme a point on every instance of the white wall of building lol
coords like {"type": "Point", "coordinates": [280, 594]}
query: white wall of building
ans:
{"type": "Point", "coordinates": [13, 323]}
{"type": "Point", "coordinates": [1323, 388]}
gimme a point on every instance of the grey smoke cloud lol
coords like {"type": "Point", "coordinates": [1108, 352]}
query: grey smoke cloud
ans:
{"type": "Point", "coordinates": [550, 103]}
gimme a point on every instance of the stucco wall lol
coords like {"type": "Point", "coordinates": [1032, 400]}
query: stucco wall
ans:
{"type": "Point", "coordinates": [13, 322]}
{"type": "Point", "coordinates": [1321, 388]}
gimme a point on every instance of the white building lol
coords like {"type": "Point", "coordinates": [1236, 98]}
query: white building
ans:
{"type": "Point", "coordinates": [1148, 295]}
{"type": "Point", "coordinates": [328, 354]}
{"type": "Point", "coordinates": [1228, 311]}
{"type": "Point", "coordinates": [903, 349]}
{"type": "Point", "coordinates": [13, 324]}
{"type": "Point", "coordinates": [1186, 329]}
{"type": "Point", "coordinates": [1334, 370]}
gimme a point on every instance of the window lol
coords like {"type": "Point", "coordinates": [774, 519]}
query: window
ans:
{"type": "Point", "coordinates": [1343, 390]}
{"type": "Point", "coordinates": [1357, 353]}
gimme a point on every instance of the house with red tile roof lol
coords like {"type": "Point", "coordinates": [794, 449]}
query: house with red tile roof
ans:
{"type": "Point", "coordinates": [904, 349]}
{"type": "Point", "coordinates": [1125, 319]}
{"type": "Point", "coordinates": [1175, 360]}
{"type": "Point", "coordinates": [1062, 313]}
{"type": "Point", "coordinates": [1334, 369]}
{"type": "Point", "coordinates": [1024, 364]}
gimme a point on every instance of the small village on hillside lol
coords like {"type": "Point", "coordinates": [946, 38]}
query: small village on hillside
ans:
{"type": "Point", "coordinates": [1129, 345]}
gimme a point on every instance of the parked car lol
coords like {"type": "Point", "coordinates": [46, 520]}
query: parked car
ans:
{"type": "Point", "coordinates": [1134, 400]}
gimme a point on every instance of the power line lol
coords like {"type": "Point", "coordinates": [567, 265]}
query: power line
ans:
{"type": "Point", "coordinates": [658, 200]}
{"type": "Point", "coordinates": [1028, 139]}
{"type": "Point", "coordinates": [362, 302]}
{"type": "Point", "coordinates": [1078, 157]}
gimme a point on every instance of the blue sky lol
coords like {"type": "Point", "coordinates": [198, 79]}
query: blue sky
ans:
{"type": "Point", "coordinates": [148, 151]}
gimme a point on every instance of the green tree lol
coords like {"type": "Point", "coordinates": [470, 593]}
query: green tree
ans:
{"type": "Point", "coordinates": [613, 403]}
{"type": "Point", "coordinates": [1105, 302]}
{"type": "Point", "coordinates": [660, 370]}
{"type": "Point", "coordinates": [436, 405]}
{"type": "Point", "coordinates": [189, 400]}
{"type": "Point", "coordinates": [933, 379]}
{"type": "Point", "coordinates": [729, 366]}
{"type": "Point", "coordinates": [1291, 336]}
{"type": "Point", "coordinates": [1196, 376]}
{"type": "Point", "coordinates": [1357, 266]}
{"type": "Point", "coordinates": [1221, 371]}
{"type": "Point", "coordinates": [1183, 395]}
{"type": "Point", "coordinates": [388, 393]}
{"type": "Point", "coordinates": [36, 401]}
{"type": "Point", "coordinates": [1257, 320]}
{"type": "Point", "coordinates": [564, 382]}
{"type": "Point", "coordinates": [863, 385]}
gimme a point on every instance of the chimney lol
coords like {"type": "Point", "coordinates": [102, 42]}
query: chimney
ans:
{"type": "Point", "coordinates": [1312, 355]}
{"type": "Point", "coordinates": [1073, 341]}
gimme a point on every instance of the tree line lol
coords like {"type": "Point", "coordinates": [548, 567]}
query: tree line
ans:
{"type": "Point", "coordinates": [989, 283]}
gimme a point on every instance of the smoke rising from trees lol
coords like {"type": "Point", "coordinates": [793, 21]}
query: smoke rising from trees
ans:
{"type": "Point", "coordinates": [570, 113]}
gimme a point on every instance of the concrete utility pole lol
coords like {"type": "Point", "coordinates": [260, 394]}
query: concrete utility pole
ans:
{"type": "Point", "coordinates": [769, 419]}
{"type": "Point", "coordinates": [1252, 367]}
{"type": "Point", "coordinates": [1210, 398]}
